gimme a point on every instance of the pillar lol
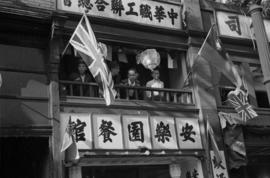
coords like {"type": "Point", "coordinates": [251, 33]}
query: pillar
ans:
{"type": "Point", "coordinates": [262, 43]}
{"type": "Point", "coordinates": [75, 172]}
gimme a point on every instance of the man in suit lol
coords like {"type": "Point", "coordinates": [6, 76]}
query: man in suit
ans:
{"type": "Point", "coordinates": [131, 81]}
{"type": "Point", "coordinates": [82, 77]}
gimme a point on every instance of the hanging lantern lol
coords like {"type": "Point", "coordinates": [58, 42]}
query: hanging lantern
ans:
{"type": "Point", "coordinates": [149, 58]}
{"type": "Point", "coordinates": [103, 49]}
{"type": "Point", "coordinates": [175, 170]}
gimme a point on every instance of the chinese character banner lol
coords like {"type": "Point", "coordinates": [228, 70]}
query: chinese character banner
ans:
{"type": "Point", "coordinates": [238, 26]}
{"type": "Point", "coordinates": [188, 133]}
{"type": "Point", "coordinates": [110, 131]}
{"type": "Point", "coordinates": [163, 132]}
{"type": "Point", "coordinates": [81, 128]}
{"type": "Point", "coordinates": [219, 167]}
{"type": "Point", "coordinates": [139, 11]}
{"type": "Point", "coordinates": [136, 132]}
{"type": "Point", "coordinates": [107, 131]}
{"type": "Point", "coordinates": [191, 168]}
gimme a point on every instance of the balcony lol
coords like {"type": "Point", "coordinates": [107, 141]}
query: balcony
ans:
{"type": "Point", "coordinates": [73, 89]}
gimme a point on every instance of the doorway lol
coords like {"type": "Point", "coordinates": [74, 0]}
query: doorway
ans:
{"type": "Point", "coordinates": [149, 171]}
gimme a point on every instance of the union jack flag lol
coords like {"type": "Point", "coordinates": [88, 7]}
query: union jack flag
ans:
{"type": "Point", "coordinates": [85, 43]}
{"type": "Point", "coordinates": [239, 100]}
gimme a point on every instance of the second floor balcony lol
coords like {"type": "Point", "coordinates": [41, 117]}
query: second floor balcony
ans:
{"type": "Point", "coordinates": [73, 89]}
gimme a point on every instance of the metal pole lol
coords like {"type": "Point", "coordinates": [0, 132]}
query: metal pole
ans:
{"type": "Point", "coordinates": [262, 44]}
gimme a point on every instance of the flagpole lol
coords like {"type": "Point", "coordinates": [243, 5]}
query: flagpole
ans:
{"type": "Point", "coordinates": [206, 39]}
{"type": "Point", "coordinates": [84, 15]}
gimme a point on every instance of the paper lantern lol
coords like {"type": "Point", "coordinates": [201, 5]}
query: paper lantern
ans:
{"type": "Point", "coordinates": [149, 58]}
{"type": "Point", "coordinates": [175, 170]}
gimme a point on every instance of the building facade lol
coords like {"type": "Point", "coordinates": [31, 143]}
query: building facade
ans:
{"type": "Point", "coordinates": [145, 132]}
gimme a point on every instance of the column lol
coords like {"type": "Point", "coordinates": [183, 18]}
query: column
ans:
{"type": "Point", "coordinates": [75, 172]}
{"type": "Point", "coordinates": [262, 43]}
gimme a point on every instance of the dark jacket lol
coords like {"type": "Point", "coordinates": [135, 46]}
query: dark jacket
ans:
{"type": "Point", "coordinates": [129, 93]}
{"type": "Point", "coordinates": [83, 89]}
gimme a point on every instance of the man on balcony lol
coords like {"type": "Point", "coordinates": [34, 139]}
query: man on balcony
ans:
{"type": "Point", "coordinates": [82, 77]}
{"type": "Point", "coordinates": [155, 83]}
{"type": "Point", "coordinates": [131, 81]}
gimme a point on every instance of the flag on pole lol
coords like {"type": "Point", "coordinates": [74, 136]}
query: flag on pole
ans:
{"type": "Point", "coordinates": [68, 138]}
{"type": "Point", "coordinates": [239, 100]}
{"type": "Point", "coordinates": [210, 134]}
{"type": "Point", "coordinates": [69, 141]}
{"type": "Point", "coordinates": [85, 43]}
{"type": "Point", "coordinates": [232, 119]}
{"type": "Point", "coordinates": [213, 51]}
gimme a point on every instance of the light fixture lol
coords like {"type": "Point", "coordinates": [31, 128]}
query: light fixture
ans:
{"type": "Point", "coordinates": [175, 170]}
{"type": "Point", "coordinates": [149, 58]}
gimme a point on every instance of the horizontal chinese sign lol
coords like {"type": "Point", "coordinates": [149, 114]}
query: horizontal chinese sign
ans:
{"type": "Point", "coordinates": [115, 132]}
{"type": "Point", "coordinates": [145, 12]}
{"type": "Point", "coordinates": [238, 26]}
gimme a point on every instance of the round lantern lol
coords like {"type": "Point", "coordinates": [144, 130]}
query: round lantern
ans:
{"type": "Point", "coordinates": [175, 170]}
{"type": "Point", "coordinates": [149, 58]}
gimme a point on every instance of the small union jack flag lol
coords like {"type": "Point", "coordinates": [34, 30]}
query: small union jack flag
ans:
{"type": "Point", "coordinates": [239, 100]}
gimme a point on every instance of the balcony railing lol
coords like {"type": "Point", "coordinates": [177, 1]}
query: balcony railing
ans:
{"type": "Point", "coordinates": [73, 88]}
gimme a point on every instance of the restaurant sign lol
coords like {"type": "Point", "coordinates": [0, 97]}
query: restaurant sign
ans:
{"type": "Point", "coordinates": [238, 26]}
{"type": "Point", "coordinates": [146, 12]}
{"type": "Point", "coordinates": [116, 132]}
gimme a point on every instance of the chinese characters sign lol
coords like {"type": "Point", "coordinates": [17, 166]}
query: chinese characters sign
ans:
{"type": "Point", "coordinates": [139, 11]}
{"type": "Point", "coordinates": [108, 131]}
{"type": "Point", "coordinates": [81, 128]}
{"type": "Point", "coordinates": [188, 133]}
{"type": "Point", "coordinates": [191, 168]}
{"type": "Point", "coordinates": [238, 26]}
{"type": "Point", "coordinates": [219, 168]}
{"type": "Point", "coordinates": [163, 132]}
{"type": "Point", "coordinates": [136, 132]}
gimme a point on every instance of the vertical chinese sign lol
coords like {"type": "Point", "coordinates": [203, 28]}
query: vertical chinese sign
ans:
{"type": "Point", "coordinates": [219, 168]}
{"type": "Point", "coordinates": [163, 132]}
{"type": "Point", "coordinates": [188, 133]}
{"type": "Point", "coordinates": [145, 12]}
{"type": "Point", "coordinates": [191, 168]}
{"type": "Point", "coordinates": [136, 132]}
{"type": "Point", "coordinates": [107, 131]}
{"type": "Point", "coordinates": [82, 129]}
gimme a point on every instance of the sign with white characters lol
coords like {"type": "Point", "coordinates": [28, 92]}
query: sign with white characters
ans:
{"type": "Point", "coordinates": [219, 168]}
{"type": "Point", "coordinates": [163, 132]}
{"type": "Point", "coordinates": [188, 133]}
{"type": "Point", "coordinates": [238, 26]}
{"type": "Point", "coordinates": [147, 12]}
{"type": "Point", "coordinates": [136, 132]}
{"type": "Point", "coordinates": [191, 168]}
{"type": "Point", "coordinates": [81, 125]}
{"type": "Point", "coordinates": [107, 132]}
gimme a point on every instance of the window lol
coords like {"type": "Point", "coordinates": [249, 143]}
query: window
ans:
{"type": "Point", "coordinates": [120, 60]}
{"type": "Point", "coordinates": [260, 90]}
